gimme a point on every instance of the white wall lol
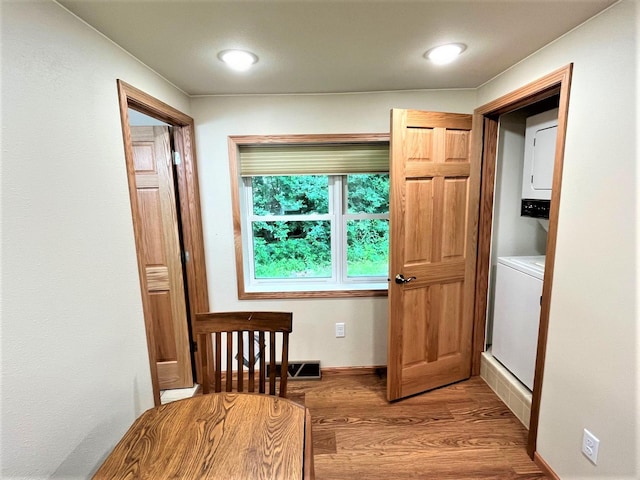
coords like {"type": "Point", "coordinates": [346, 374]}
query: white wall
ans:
{"type": "Point", "coordinates": [512, 234]}
{"type": "Point", "coordinates": [75, 371]}
{"type": "Point", "coordinates": [592, 372]}
{"type": "Point", "coordinates": [365, 343]}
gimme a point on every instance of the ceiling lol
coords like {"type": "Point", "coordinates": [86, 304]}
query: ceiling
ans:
{"type": "Point", "coordinates": [328, 46]}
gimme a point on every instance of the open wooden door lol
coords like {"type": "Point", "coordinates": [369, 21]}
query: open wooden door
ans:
{"type": "Point", "coordinates": [433, 222]}
{"type": "Point", "coordinates": [160, 255]}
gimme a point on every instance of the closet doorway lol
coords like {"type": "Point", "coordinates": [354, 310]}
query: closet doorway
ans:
{"type": "Point", "coordinates": [553, 88]}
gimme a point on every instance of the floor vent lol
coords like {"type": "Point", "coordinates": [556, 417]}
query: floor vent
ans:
{"type": "Point", "coordinates": [300, 370]}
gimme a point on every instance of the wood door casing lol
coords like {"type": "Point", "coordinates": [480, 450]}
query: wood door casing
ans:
{"type": "Point", "coordinates": [558, 83]}
{"type": "Point", "coordinates": [190, 218]}
{"type": "Point", "coordinates": [433, 207]}
{"type": "Point", "coordinates": [161, 255]}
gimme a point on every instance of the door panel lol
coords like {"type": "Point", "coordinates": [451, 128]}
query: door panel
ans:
{"type": "Point", "coordinates": [454, 220]}
{"type": "Point", "coordinates": [161, 256]}
{"type": "Point", "coordinates": [433, 207]}
{"type": "Point", "coordinates": [163, 326]}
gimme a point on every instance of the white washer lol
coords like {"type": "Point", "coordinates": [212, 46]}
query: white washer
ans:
{"type": "Point", "coordinates": [516, 316]}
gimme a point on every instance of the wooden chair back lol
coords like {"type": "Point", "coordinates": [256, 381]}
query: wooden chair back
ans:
{"type": "Point", "coordinates": [241, 328]}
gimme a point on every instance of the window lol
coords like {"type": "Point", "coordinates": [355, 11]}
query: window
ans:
{"type": "Point", "coordinates": [314, 218]}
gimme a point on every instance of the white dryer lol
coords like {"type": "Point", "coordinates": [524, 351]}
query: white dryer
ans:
{"type": "Point", "coordinates": [516, 316]}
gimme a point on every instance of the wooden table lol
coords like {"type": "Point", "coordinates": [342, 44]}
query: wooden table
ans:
{"type": "Point", "coordinates": [217, 436]}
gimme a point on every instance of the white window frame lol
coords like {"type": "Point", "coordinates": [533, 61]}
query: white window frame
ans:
{"type": "Point", "coordinates": [338, 285]}
{"type": "Point", "coordinates": [337, 218]}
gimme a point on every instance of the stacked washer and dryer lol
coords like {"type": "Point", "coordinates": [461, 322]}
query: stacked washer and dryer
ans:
{"type": "Point", "coordinates": [519, 279]}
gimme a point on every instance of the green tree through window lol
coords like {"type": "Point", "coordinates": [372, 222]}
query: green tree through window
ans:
{"type": "Point", "coordinates": [295, 216]}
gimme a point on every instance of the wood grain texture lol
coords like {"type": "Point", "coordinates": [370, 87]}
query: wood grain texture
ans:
{"type": "Point", "coordinates": [485, 152]}
{"type": "Point", "coordinates": [191, 218]}
{"type": "Point", "coordinates": [544, 466]}
{"type": "Point", "coordinates": [459, 432]}
{"type": "Point", "coordinates": [217, 436]}
{"type": "Point", "coordinates": [124, 93]}
{"type": "Point", "coordinates": [157, 278]}
{"type": "Point", "coordinates": [160, 253]}
{"type": "Point", "coordinates": [234, 325]}
{"type": "Point", "coordinates": [433, 221]}
{"type": "Point", "coordinates": [309, 139]}
{"type": "Point", "coordinates": [532, 92]}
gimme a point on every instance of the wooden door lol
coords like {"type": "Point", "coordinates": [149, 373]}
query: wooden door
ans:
{"type": "Point", "coordinates": [433, 220]}
{"type": "Point", "coordinates": [160, 255]}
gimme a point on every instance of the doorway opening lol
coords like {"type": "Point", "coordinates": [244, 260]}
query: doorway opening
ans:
{"type": "Point", "coordinates": [164, 194]}
{"type": "Point", "coordinates": [549, 92]}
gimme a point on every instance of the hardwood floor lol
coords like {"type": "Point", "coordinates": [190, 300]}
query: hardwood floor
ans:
{"type": "Point", "coordinates": [460, 432]}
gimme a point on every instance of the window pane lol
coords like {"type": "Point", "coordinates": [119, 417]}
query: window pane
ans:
{"type": "Point", "coordinates": [290, 195]}
{"type": "Point", "coordinates": [367, 248]}
{"type": "Point", "coordinates": [368, 193]}
{"type": "Point", "coordinates": [292, 249]}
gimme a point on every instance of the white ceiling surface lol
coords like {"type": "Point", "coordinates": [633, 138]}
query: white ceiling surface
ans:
{"type": "Point", "coordinates": [322, 46]}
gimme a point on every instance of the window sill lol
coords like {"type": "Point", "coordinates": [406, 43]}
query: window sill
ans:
{"type": "Point", "coordinates": [243, 295]}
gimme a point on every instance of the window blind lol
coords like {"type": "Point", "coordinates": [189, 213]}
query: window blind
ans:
{"type": "Point", "coordinates": [330, 159]}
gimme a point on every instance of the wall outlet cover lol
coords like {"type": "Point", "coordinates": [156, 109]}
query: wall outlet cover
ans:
{"type": "Point", "coordinates": [590, 445]}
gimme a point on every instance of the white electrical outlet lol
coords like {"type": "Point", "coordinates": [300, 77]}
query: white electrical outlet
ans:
{"type": "Point", "coordinates": [339, 330]}
{"type": "Point", "coordinates": [590, 446]}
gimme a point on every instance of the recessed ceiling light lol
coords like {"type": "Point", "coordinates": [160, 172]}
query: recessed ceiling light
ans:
{"type": "Point", "coordinates": [239, 60]}
{"type": "Point", "coordinates": [445, 53]}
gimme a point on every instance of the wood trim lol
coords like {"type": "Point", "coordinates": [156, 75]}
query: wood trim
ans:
{"type": "Point", "coordinates": [535, 91]}
{"type": "Point", "coordinates": [234, 143]}
{"type": "Point", "coordinates": [234, 174]}
{"type": "Point", "coordinates": [315, 294]}
{"type": "Point", "coordinates": [544, 466]}
{"type": "Point", "coordinates": [145, 103]}
{"type": "Point", "coordinates": [563, 110]}
{"type": "Point", "coordinates": [556, 82]}
{"type": "Point", "coordinates": [242, 140]}
{"type": "Point", "coordinates": [478, 132]}
{"type": "Point", "coordinates": [380, 370]}
{"type": "Point", "coordinates": [137, 233]}
{"type": "Point", "coordinates": [190, 211]}
{"type": "Point", "coordinates": [487, 150]}
{"type": "Point", "coordinates": [191, 217]}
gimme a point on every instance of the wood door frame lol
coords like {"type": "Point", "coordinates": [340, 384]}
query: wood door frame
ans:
{"type": "Point", "coordinates": [190, 222]}
{"type": "Point", "coordinates": [484, 150]}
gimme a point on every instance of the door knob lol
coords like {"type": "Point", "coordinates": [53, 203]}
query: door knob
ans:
{"type": "Point", "coordinates": [401, 280]}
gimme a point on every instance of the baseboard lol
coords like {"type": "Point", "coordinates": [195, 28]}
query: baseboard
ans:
{"type": "Point", "coordinates": [307, 370]}
{"type": "Point", "coordinates": [333, 371]}
{"type": "Point", "coordinates": [544, 466]}
{"type": "Point", "coordinates": [380, 370]}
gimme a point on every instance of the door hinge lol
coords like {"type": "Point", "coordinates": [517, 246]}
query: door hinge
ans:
{"type": "Point", "coordinates": [176, 158]}
{"type": "Point", "coordinates": [185, 256]}
{"type": "Point", "coordinates": [194, 347]}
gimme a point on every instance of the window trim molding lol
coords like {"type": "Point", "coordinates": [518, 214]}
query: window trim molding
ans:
{"type": "Point", "coordinates": [234, 144]}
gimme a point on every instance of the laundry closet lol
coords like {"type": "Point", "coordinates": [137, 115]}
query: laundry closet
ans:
{"type": "Point", "coordinates": [522, 197]}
